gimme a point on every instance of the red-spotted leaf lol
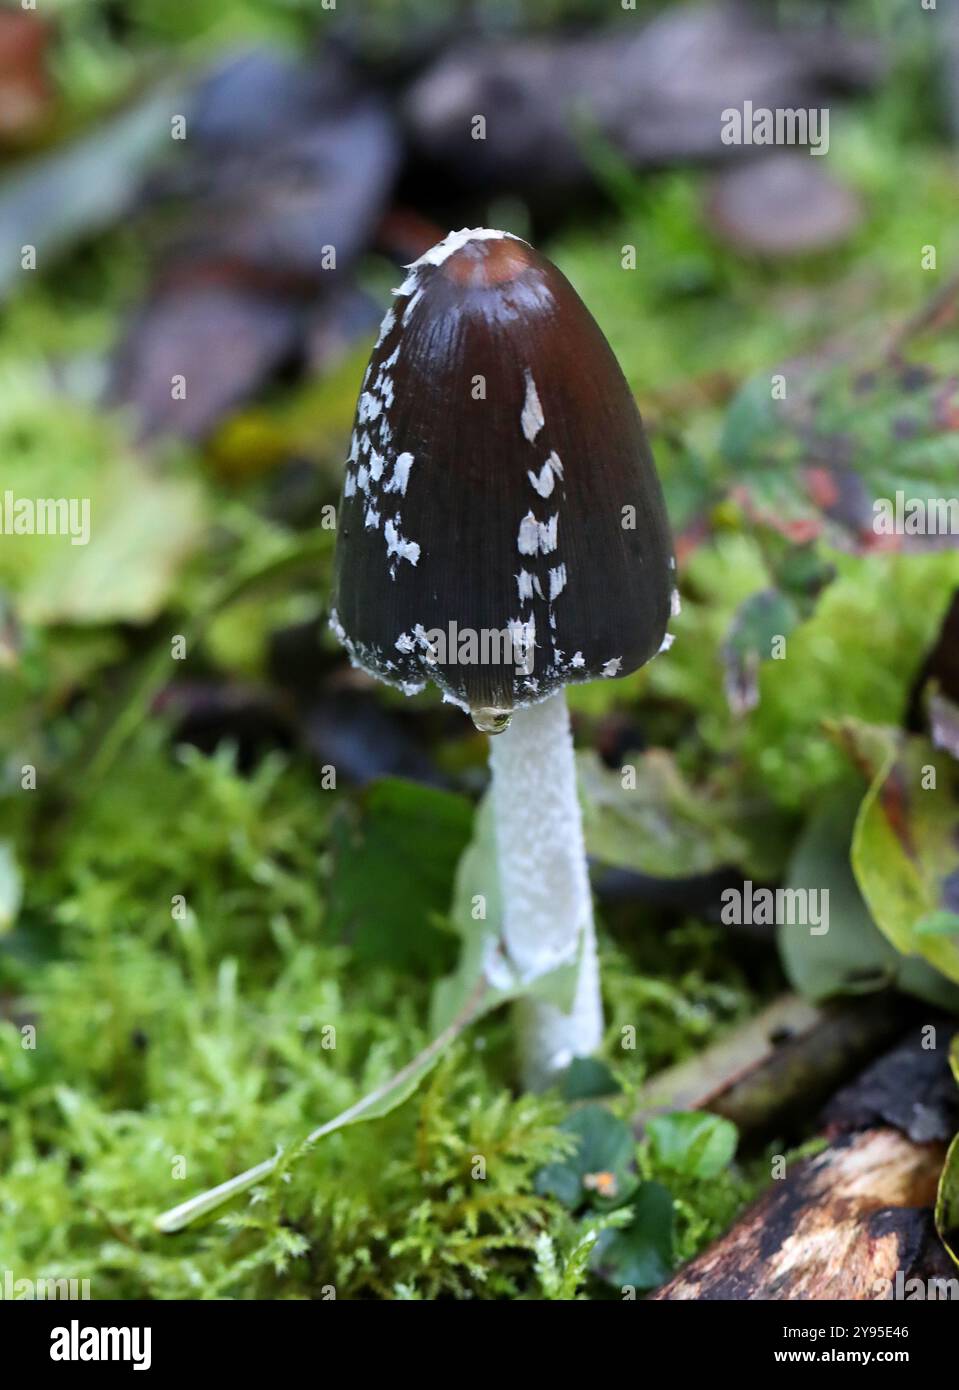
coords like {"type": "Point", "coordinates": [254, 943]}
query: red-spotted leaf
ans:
{"type": "Point", "coordinates": [905, 848]}
{"type": "Point", "coordinates": [861, 458]}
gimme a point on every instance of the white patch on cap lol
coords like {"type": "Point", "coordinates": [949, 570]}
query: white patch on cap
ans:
{"type": "Point", "coordinates": [408, 285]}
{"type": "Point", "coordinates": [532, 418]}
{"type": "Point", "coordinates": [405, 643]}
{"type": "Point", "coordinates": [536, 535]}
{"type": "Point", "coordinates": [372, 518]}
{"type": "Point", "coordinates": [527, 542]}
{"type": "Point", "coordinates": [545, 480]}
{"type": "Point", "coordinates": [675, 607]}
{"type": "Point", "coordinates": [397, 546]}
{"type": "Point", "coordinates": [349, 487]}
{"type": "Point", "coordinates": [401, 474]}
{"type": "Point", "coordinates": [414, 299]}
{"type": "Point", "coordinates": [389, 318]}
{"type": "Point", "coordinates": [362, 477]}
{"type": "Point", "coordinates": [666, 643]}
{"type": "Point", "coordinates": [371, 659]}
{"type": "Point", "coordinates": [454, 241]}
{"type": "Point", "coordinates": [423, 641]}
{"type": "Point", "coordinates": [528, 584]}
{"type": "Point", "coordinates": [557, 581]}
{"type": "Point", "coordinates": [522, 635]}
{"type": "Point", "coordinates": [547, 534]}
{"type": "Point", "coordinates": [612, 667]}
{"type": "Point", "coordinates": [370, 407]}
{"type": "Point", "coordinates": [577, 659]}
{"type": "Point", "coordinates": [336, 626]}
{"type": "Point", "coordinates": [376, 465]}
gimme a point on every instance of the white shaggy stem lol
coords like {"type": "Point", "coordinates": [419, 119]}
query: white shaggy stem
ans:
{"type": "Point", "coordinates": [547, 906]}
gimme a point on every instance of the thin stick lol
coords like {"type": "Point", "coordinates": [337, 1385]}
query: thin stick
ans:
{"type": "Point", "coordinates": [191, 1210]}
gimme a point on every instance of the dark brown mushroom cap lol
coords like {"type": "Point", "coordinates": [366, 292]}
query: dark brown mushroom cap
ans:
{"type": "Point", "coordinates": [499, 482]}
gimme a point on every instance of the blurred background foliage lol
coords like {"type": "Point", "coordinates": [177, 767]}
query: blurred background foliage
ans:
{"type": "Point", "coordinates": [175, 1048]}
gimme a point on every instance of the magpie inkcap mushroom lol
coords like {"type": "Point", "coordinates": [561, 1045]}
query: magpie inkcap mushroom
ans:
{"type": "Point", "coordinates": [502, 530]}
{"type": "Point", "coordinates": [502, 533]}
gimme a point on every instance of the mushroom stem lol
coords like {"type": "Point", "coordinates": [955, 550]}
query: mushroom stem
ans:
{"type": "Point", "coordinates": [547, 905]}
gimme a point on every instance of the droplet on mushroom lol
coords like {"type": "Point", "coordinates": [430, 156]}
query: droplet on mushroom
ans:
{"type": "Point", "coordinates": [491, 721]}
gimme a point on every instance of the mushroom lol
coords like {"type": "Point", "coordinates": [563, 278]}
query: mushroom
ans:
{"type": "Point", "coordinates": [502, 533]}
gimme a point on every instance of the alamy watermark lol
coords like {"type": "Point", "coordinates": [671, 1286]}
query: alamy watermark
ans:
{"type": "Point", "coordinates": [915, 516]}
{"type": "Point", "coordinates": [937, 1289]}
{"type": "Point", "coordinates": [776, 907]}
{"type": "Point", "coordinates": [76, 1343]}
{"type": "Point", "coordinates": [760, 125]}
{"type": "Point", "coordinates": [44, 1287]}
{"type": "Point", "coordinates": [45, 516]}
{"type": "Point", "coordinates": [514, 645]}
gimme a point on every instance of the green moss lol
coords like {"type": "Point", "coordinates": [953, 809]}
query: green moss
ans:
{"type": "Point", "coordinates": [179, 1042]}
{"type": "Point", "coordinates": [668, 994]}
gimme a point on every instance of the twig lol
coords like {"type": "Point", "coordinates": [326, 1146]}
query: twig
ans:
{"type": "Point", "coordinates": [191, 1210]}
{"type": "Point", "coordinates": [780, 1065]}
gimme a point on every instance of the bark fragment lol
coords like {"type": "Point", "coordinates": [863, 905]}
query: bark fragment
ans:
{"type": "Point", "coordinates": [836, 1226]}
{"type": "Point", "coordinates": [845, 1223]}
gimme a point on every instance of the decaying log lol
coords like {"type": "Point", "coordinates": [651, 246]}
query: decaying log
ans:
{"type": "Point", "coordinates": [833, 1228]}
{"type": "Point", "coordinates": [911, 1088]}
{"type": "Point", "coordinates": [845, 1223]}
{"type": "Point", "coordinates": [776, 1070]}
